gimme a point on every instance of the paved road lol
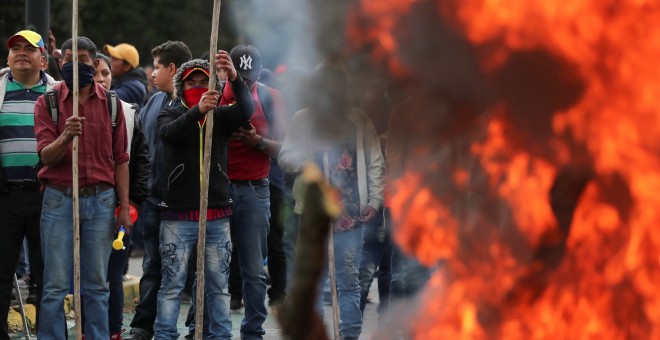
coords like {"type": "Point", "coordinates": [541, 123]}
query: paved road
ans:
{"type": "Point", "coordinates": [271, 326]}
{"type": "Point", "coordinates": [273, 330]}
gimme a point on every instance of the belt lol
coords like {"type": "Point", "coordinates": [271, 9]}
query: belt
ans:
{"type": "Point", "coordinates": [255, 182]}
{"type": "Point", "coordinates": [90, 190]}
{"type": "Point", "coordinates": [25, 185]}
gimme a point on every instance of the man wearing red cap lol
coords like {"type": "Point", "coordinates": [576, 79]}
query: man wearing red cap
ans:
{"type": "Point", "coordinates": [182, 128]}
{"type": "Point", "coordinates": [167, 58]}
{"type": "Point", "coordinates": [20, 201]}
{"type": "Point", "coordinates": [128, 79]}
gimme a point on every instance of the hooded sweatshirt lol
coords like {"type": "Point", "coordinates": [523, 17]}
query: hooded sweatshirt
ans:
{"type": "Point", "coordinates": [183, 145]}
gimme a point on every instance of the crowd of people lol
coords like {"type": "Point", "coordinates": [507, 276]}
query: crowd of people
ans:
{"type": "Point", "coordinates": [143, 148]}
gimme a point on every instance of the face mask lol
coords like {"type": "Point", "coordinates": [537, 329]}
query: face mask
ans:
{"type": "Point", "coordinates": [85, 74]}
{"type": "Point", "coordinates": [193, 95]}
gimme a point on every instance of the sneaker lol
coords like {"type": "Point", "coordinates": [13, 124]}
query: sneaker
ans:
{"type": "Point", "coordinates": [116, 336]}
{"type": "Point", "coordinates": [135, 336]}
{"type": "Point", "coordinates": [235, 303]}
{"type": "Point", "coordinates": [189, 336]}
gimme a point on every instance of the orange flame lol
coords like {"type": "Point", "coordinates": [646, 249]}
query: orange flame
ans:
{"type": "Point", "coordinates": [605, 282]}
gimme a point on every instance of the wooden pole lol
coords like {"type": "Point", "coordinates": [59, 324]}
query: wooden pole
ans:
{"type": "Point", "coordinates": [204, 190]}
{"type": "Point", "coordinates": [298, 316]}
{"type": "Point", "coordinates": [74, 169]}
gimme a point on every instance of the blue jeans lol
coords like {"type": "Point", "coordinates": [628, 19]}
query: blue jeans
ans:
{"type": "Point", "coordinates": [97, 219]}
{"type": "Point", "coordinates": [250, 224]}
{"type": "Point", "coordinates": [290, 236]}
{"type": "Point", "coordinates": [145, 312]}
{"type": "Point", "coordinates": [376, 260]}
{"type": "Point", "coordinates": [23, 260]}
{"type": "Point", "coordinates": [408, 275]}
{"type": "Point", "coordinates": [178, 241]}
{"type": "Point", "coordinates": [348, 249]}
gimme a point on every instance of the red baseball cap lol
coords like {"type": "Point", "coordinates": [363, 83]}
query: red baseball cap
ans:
{"type": "Point", "coordinates": [187, 72]}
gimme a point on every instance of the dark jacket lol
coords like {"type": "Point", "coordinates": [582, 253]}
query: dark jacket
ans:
{"type": "Point", "coordinates": [149, 120]}
{"type": "Point", "coordinates": [181, 134]}
{"type": "Point", "coordinates": [131, 87]}
{"type": "Point", "coordinates": [139, 165]}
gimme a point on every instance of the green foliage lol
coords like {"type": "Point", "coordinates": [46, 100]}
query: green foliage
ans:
{"type": "Point", "coordinates": [142, 23]}
{"type": "Point", "coordinates": [12, 20]}
{"type": "Point", "coordinates": [274, 26]}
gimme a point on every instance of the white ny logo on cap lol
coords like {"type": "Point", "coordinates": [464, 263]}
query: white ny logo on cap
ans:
{"type": "Point", "coordinates": [246, 62]}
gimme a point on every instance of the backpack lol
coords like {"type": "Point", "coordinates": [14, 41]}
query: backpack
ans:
{"type": "Point", "coordinates": [266, 101]}
{"type": "Point", "coordinates": [111, 96]}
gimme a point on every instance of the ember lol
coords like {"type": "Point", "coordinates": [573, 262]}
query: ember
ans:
{"type": "Point", "coordinates": [538, 184]}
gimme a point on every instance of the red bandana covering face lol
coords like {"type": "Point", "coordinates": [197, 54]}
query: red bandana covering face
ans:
{"type": "Point", "coordinates": [193, 95]}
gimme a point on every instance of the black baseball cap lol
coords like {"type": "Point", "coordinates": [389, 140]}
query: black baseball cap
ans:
{"type": "Point", "coordinates": [247, 61]}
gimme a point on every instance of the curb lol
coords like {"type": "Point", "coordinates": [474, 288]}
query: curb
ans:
{"type": "Point", "coordinates": [131, 291]}
{"type": "Point", "coordinates": [15, 321]}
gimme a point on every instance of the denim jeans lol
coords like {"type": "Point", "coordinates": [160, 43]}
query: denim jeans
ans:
{"type": "Point", "coordinates": [97, 219]}
{"type": "Point", "coordinates": [408, 275]}
{"type": "Point", "coordinates": [23, 260]}
{"type": "Point", "coordinates": [178, 241]}
{"type": "Point", "coordinates": [290, 236]}
{"type": "Point", "coordinates": [376, 260]}
{"type": "Point", "coordinates": [348, 249]}
{"type": "Point", "coordinates": [277, 261]}
{"type": "Point", "coordinates": [145, 311]}
{"type": "Point", "coordinates": [250, 224]}
{"type": "Point", "coordinates": [277, 265]}
{"type": "Point", "coordinates": [19, 217]}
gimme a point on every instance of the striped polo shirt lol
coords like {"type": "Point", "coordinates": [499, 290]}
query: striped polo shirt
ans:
{"type": "Point", "coordinates": [18, 145]}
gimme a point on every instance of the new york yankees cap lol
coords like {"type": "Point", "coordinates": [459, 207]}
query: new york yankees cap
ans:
{"type": "Point", "coordinates": [247, 61]}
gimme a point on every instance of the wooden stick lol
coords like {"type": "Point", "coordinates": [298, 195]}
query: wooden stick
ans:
{"type": "Point", "coordinates": [332, 276]}
{"type": "Point", "coordinates": [298, 316]}
{"type": "Point", "coordinates": [74, 169]}
{"type": "Point", "coordinates": [204, 190]}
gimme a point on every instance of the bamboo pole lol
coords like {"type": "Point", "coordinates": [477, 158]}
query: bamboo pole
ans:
{"type": "Point", "coordinates": [74, 170]}
{"type": "Point", "coordinates": [204, 190]}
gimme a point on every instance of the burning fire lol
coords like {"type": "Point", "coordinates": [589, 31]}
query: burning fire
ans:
{"type": "Point", "coordinates": [545, 209]}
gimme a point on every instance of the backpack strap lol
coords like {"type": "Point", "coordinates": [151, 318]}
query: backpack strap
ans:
{"type": "Point", "coordinates": [113, 104]}
{"type": "Point", "coordinates": [266, 100]}
{"type": "Point", "coordinates": [51, 97]}
{"type": "Point", "coordinates": [111, 96]}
